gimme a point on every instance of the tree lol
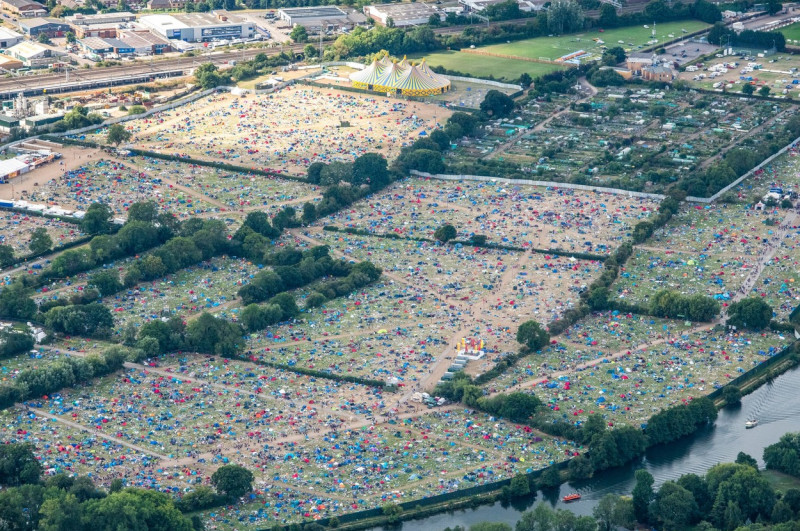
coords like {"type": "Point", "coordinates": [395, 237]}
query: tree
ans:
{"type": "Point", "coordinates": [746, 459]}
{"type": "Point", "coordinates": [208, 76]}
{"type": "Point", "coordinates": [117, 134]}
{"type": "Point", "coordinates": [336, 172]}
{"type": "Point", "coordinates": [732, 395]}
{"type": "Point", "coordinates": [748, 89]}
{"type": "Point", "coordinates": [580, 467]}
{"type": "Point", "coordinates": [309, 51]}
{"type": "Point", "coordinates": [232, 480]}
{"type": "Point", "coordinates": [497, 104]}
{"type": "Point", "coordinates": [608, 16]}
{"type": "Point", "coordinates": [465, 121]}
{"type": "Point", "coordinates": [60, 513]}
{"type": "Point", "coordinates": [445, 233]}
{"type": "Point", "coordinates": [6, 255]}
{"type": "Point", "coordinates": [564, 16]}
{"type": "Point", "coordinates": [532, 335]}
{"type": "Point", "coordinates": [550, 478]}
{"type": "Point", "coordinates": [299, 33]}
{"type": "Point", "coordinates": [40, 242]}
{"type": "Point", "coordinates": [541, 518]}
{"type": "Point", "coordinates": [370, 168]}
{"type": "Point", "coordinates": [44, 39]}
{"type": "Point", "coordinates": [314, 171]}
{"type": "Point", "coordinates": [145, 211]}
{"type": "Point", "coordinates": [70, 37]}
{"type": "Point", "coordinates": [18, 465]}
{"type": "Point", "coordinates": [135, 509]}
{"type": "Point", "coordinates": [673, 506]}
{"type": "Point", "coordinates": [97, 219]}
{"type": "Point", "coordinates": [603, 512]}
{"type": "Point", "coordinates": [15, 302]}
{"type": "Point", "coordinates": [614, 55]}
{"type": "Point", "coordinates": [107, 282]}
{"type": "Point", "coordinates": [642, 494]}
{"type": "Point", "coordinates": [752, 313]}
{"type": "Point", "coordinates": [763, 91]}
{"type": "Point", "coordinates": [623, 513]}
{"type": "Point", "coordinates": [520, 486]}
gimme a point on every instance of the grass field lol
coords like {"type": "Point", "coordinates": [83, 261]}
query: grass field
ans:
{"type": "Point", "coordinates": [478, 65]}
{"type": "Point", "coordinates": [634, 37]}
{"type": "Point", "coordinates": [781, 481]}
{"type": "Point", "coordinates": [792, 33]}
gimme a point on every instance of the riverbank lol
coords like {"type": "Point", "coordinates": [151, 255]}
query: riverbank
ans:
{"type": "Point", "coordinates": [462, 501]}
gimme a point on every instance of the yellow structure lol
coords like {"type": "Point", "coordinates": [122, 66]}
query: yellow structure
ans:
{"type": "Point", "coordinates": [401, 78]}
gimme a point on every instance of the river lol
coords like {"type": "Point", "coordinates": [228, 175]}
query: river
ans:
{"type": "Point", "coordinates": [776, 405]}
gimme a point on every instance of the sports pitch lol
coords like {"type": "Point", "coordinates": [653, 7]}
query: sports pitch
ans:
{"type": "Point", "coordinates": [632, 37]}
{"type": "Point", "coordinates": [483, 65]}
{"type": "Point", "coordinates": [792, 33]}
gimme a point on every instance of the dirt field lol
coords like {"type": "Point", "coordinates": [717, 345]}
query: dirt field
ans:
{"type": "Point", "coordinates": [287, 130]}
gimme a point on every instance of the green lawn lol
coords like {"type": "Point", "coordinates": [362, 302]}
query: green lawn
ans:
{"type": "Point", "coordinates": [781, 481]}
{"type": "Point", "coordinates": [792, 33]}
{"type": "Point", "coordinates": [632, 36]}
{"type": "Point", "coordinates": [482, 66]}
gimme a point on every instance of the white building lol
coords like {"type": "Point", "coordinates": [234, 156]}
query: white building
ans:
{"type": "Point", "coordinates": [35, 54]}
{"type": "Point", "coordinates": [412, 14]}
{"type": "Point", "coordinates": [199, 27]}
{"type": "Point", "coordinates": [9, 38]}
{"type": "Point", "coordinates": [476, 6]}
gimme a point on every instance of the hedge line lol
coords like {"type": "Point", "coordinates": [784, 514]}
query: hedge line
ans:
{"type": "Point", "coordinates": [312, 372]}
{"type": "Point", "coordinates": [175, 158]}
{"type": "Point", "coordinates": [484, 245]}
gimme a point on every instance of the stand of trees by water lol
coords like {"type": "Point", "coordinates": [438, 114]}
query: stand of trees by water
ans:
{"type": "Point", "coordinates": [730, 496]}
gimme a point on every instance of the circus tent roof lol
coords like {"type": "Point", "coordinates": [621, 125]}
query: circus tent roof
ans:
{"type": "Point", "coordinates": [369, 75]}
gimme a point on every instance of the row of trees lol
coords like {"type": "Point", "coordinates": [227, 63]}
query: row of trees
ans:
{"type": "Point", "coordinates": [64, 502]}
{"type": "Point", "coordinates": [722, 35]}
{"type": "Point", "coordinates": [65, 372]}
{"type": "Point", "coordinates": [88, 320]}
{"type": "Point", "coordinates": [668, 303]}
{"type": "Point", "coordinates": [311, 265]}
{"type": "Point", "coordinates": [784, 455]}
{"type": "Point", "coordinates": [727, 497]}
{"type": "Point", "coordinates": [14, 341]}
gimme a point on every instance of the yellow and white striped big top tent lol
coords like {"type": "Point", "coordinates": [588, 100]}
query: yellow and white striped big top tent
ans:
{"type": "Point", "coordinates": [401, 78]}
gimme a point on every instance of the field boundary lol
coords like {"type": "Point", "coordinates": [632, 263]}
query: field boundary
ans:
{"type": "Point", "coordinates": [516, 57]}
{"type": "Point", "coordinates": [548, 184]}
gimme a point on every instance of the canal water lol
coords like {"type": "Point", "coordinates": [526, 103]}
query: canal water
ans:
{"type": "Point", "coordinates": [776, 405]}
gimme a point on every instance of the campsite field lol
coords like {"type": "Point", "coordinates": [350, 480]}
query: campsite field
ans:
{"type": "Point", "coordinates": [285, 131]}
{"type": "Point", "coordinates": [631, 38]}
{"type": "Point", "coordinates": [293, 407]}
{"type": "Point", "coordinates": [16, 230]}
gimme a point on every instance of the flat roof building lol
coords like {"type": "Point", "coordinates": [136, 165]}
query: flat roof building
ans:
{"type": "Point", "coordinates": [101, 18]}
{"type": "Point", "coordinates": [9, 38]}
{"type": "Point", "coordinates": [35, 54]}
{"type": "Point", "coordinates": [403, 14]}
{"type": "Point", "coordinates": [52, 27]}
{"type": "Point", "coordinates": [145, 42]}
{"type": "Point", "coordinates": [194, 27]}
{"type": "Point", "coordinates": [323, 18]}
{"type": "Point", "coordinates": [24, 8]}
{"type": "Point", "coordinates": [476, 6]}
